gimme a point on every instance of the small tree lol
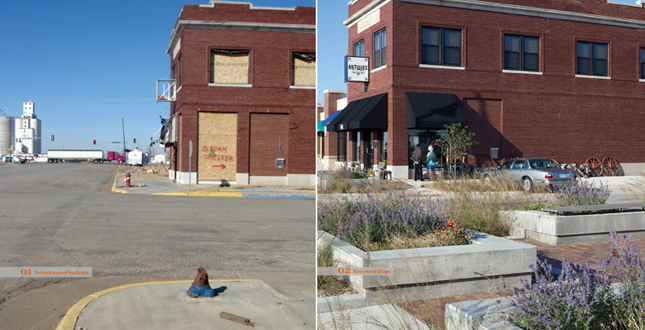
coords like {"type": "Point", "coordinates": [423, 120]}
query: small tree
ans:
{"type": "Point", "coordinates": [459, 141]}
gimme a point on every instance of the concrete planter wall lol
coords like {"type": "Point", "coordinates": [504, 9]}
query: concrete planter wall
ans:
{"type": "Point", "coordinates": [438, 271]}
{"type": "Point", "coordinates": [485, 314]}
{"type": "Point", "coordinates": [576, 229]}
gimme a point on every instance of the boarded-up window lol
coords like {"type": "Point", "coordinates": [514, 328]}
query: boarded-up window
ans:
{"type": "Point", "coordinates": [230, 66]}
{"type": "Point", "coordinates": [304, 69]}
{"type": "Point", "coordinates": [217, 148]}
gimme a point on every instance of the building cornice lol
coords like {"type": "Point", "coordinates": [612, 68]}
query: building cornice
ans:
{"type": "Point", "coordinates": [243, 26]}
{"type": "Point", "coordinates": [513, 9]}
{"type": "Point", "coordinates": [374, 5]}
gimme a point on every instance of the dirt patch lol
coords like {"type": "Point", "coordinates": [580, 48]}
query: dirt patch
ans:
{"type": "Point", "coordinates": [152, 170]}
{"type": "Point", "coordinates": [432, 310]}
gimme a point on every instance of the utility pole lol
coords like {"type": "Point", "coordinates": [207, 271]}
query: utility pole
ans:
{"type": "Point", "coordinates": [123, 126]}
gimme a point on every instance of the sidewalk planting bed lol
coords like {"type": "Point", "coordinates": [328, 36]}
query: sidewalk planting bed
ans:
{"type": "Point", "coordinates": [612, 296]}
{"type": "Point", "coordinates": [437, 271]}
{"type": "Point", "coordinates": [363, 232]}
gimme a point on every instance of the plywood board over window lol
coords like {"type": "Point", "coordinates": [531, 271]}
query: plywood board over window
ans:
{"type": "Point", "coordinates": [304, 69]}
{"type": "Point", "coordinates": [217, 147]}
{"type": "Point", "coordinates": [230, 66]}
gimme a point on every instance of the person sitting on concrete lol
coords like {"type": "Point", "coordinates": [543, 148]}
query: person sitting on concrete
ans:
{"type": "Point", "coordinates": [200, 286]}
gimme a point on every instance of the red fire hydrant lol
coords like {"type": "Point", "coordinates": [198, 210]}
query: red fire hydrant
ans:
{"type": "Point", "coordinates": [127, 179]}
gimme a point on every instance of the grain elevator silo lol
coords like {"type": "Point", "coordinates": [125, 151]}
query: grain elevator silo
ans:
{"type": "Point", "coordinates": [27, 131]}
{"type": "Point", "coordinates": [6, 135]}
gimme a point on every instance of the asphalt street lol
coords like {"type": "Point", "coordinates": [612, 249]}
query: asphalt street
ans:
{"type": "Point", "coordinates": [64, 215]}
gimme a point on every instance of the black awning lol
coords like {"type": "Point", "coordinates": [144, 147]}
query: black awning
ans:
{"type": "Point", "coordinates": [431, 111]}
{"type": "Point", "coordinates": [367, 113]}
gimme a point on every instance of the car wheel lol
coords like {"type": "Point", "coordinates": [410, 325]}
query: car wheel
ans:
{"type": "Point", "coordinates": [486, 180]}
{"type": "Point", "coordinates": [527, 184]}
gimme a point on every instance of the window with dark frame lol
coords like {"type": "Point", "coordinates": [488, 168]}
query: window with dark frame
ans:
{"type": "Point", "coordinates": [341, 146]}
{"type": "Point", "coordinates": [230, 66]}
{"type": "Point", "coordinates": [592, 59]}
{"type": "Point", "coordinates": [359, 48]}
{"type": "Point", "coordinates": [173, 74]}
{"type": "Point", "coordinates": [179, 65]}
{"type": "Point", "coordinates": [304, 69]}
{"type": "Point", "coordinates": [440, 46]}
{"type": "Point", "coordinates": [521, 53]}
{"type": "Point", "coordinates": [357, 146]}
{"type": "Point", "coordinates": [642, 63]}
{"type": "Point", "coordinates": [384, 147]}
{"type": "Point", "coordinates": [379, 48]}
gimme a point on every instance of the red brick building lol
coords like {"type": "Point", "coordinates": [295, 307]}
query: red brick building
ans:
{"type": "Point", "coordinates": [563, 79]}
{"type": "Point", "coordinates": [328, 140]}
{"type": "Point", "coordinates": [245, 94]}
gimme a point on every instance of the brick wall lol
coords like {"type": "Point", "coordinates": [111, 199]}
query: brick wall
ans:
{"type": "Point", "coordinates": [331, 140]}
{"type": "Point", "coordinates": [269, 140]}
{"type": "Point", "coordinates": [555, 114]}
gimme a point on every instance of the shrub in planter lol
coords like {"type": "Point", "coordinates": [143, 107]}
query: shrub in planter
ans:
{"type": "Point", "coordinates": [582, 298]}
{"type": "Point", "coordinates": [369, 221]}
{"type": "Point", "coordinates": [578, 194]}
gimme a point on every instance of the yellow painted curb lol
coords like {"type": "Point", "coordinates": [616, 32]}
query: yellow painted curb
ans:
{"type": "Point", "coordinates": [202, 194]}
{"type": "Point", "coordinates": [215, 194]}
{"type": "Point", "coordinates": [118, 190]}
{"type": "Point", "coordinates": [69, 320]}
{"type": "Point", "coordinates": [170, 194]}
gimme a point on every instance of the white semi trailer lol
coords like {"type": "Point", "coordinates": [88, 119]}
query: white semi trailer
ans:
{"type": "Point", "coordinates": [69, 155]}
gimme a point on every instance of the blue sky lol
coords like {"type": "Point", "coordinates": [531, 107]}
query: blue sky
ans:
{"type": "Point", "coordinates": [87, 64]}
{"type": "Point", "coordinates": [332, 45]}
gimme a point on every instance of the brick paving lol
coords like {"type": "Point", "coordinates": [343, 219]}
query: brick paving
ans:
{"type": "Point", "coordinates": [431, 311]}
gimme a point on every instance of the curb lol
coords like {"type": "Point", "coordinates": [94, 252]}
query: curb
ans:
{"type": "Point", "coordinates": [235, 194]}
{"type": "Point", "coordinates": [69, 320]}
{"type": "Point", "coordinates": [114, 189]}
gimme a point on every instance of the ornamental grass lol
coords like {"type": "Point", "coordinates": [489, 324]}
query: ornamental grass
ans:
{"type": "Point", "coordinates": [372, 221]}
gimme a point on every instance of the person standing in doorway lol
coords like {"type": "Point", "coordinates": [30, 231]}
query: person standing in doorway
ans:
{"type": "Point", "coordinates": [431, 162]}
{"type": "Point", "coordinates": [417, 155]}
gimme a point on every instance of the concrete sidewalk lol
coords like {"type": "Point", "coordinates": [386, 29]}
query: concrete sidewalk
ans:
{"type": "Point", "coordinates": [155, 185]}
{"type": "Point", "coordinates": [165, 305]}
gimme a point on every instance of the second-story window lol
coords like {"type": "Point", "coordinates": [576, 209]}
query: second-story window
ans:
{"type": "Point", "coordinates": [229, 66]}
{"type": "Point", "coordinates": [179, 78]}
{"type": "Point", "coordinates": [521, 53]}
{"type": "Point", "coordinates": [379, 48]}
{"type": "Point", "coordinates": [440, 46]}
{"type": "Point", "coordinates": [173, 74]}
{"type": "Point", "coordinates": [359, 48]}
{"type": "Point", "coordinates": [304, 69]}
{"type": "Point", "coordinates": [592, 59]}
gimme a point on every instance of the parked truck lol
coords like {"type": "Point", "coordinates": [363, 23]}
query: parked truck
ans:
{"type": "Point", "coordinates": [69, 155]}
{"type": "Point", "coordinates": [115, 156]}
{"type": "Point", "coordinates": [137, 158]}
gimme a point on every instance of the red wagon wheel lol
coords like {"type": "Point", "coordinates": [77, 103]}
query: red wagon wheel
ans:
{"type": "Point", "coordinates": [582, 169]}
{"type": "Point", "coordinates": [610, 166]}
{"type": "Point", "coordinates": [595, 166]}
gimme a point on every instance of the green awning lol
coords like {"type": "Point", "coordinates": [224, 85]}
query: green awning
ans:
{"type": "Point", "coordinates": [320, 126]}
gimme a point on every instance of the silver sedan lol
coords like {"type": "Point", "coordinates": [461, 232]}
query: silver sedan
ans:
{"type": "Point", "coordinates": [533, 172]}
